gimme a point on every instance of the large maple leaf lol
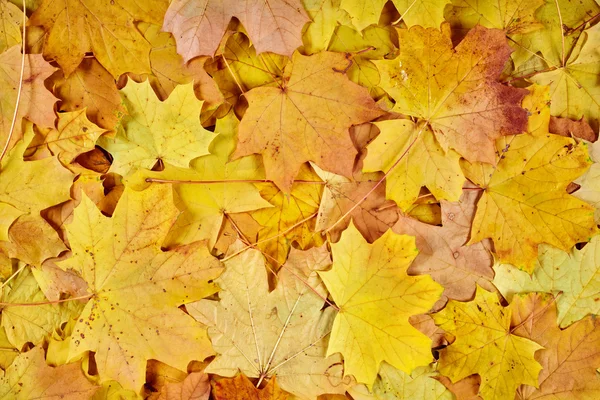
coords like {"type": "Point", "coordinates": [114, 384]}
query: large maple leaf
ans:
{"type": "Point", "coordinates": [135, 288]}
{"type": "Point", "coordinates": [570, 356]}
{"type": "Point", "coordinates": [105, 27]}
{"type": "Point", "coordinates": [455, 90]}
{"type": "Point", "coordinates": [575, 275]}
{"type": "Point", "coordinates": [306, 118]}
{"type": "Point", "coordinates": [169, 131]}
{"type": "Point", "coordinates": [525, 202]}
{"type": "Point", "coordinates": [376, 297]}
{"type": "Point", "coordinates": [199, 25]}
{"type": "Point", "coordinates": [485, 345]}
{"type": "Point", "coordinates": [282, 333]}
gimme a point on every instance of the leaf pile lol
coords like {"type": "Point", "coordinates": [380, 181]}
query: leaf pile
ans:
{"type": "Point", "coordinates": [299, 199]}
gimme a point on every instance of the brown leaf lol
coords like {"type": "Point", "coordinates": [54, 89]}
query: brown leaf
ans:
{"type": "Point", "coordinates": [569, 128]}
{"type": "Point", "coordinates": [196, 386]}
{"type": "Point", "coordinates": [240, 388]}
{"type": "Point", "coordinates": [569, 357]}
{"type": "Point", "coordinates": [443, 252]}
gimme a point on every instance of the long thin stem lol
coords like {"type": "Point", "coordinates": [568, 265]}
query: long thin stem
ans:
{"type": "Point", "coordinates": [209, 182]}
{"type": "Point", "coordinates": [343, 217]}
{"type": "Point", "coordinates": [43, 303]}
{"type": "Point", "coordinates": [239, 85]}
{"type": "Point", "coordinates": [14, 119]}
{"type": "Point", "coordinates": [13, 275]}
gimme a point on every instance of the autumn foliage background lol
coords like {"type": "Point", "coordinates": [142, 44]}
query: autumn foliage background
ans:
{"type": "Point", "coordinates": [300, 199]}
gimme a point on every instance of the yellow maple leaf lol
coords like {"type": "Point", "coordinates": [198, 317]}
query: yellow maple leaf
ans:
{"type": "Point", "coordinates": [423, 163]}
{"type": "Point", "coordinates": [574, 274]}
{"type": "Point", "coordinates": [427, 13]}
{"type": "Point", "coordinates": [205, 204]}
{"type": "Point", "coordinates": [525, 202]}
{"type": "Point", "coordinates": [30, 378]}
{"type": "Point", "coordinates": [105, 27]}
{"type": "Point", "coordinates": [369, 284]}
{"type": "Point", "coordinates": [73, 136]}
{"type": "Point", "coordinates": [11, 18]}
{"type": "Point", "coordinates": [306, 118]}
{"type": "Point", "coordinates": [291, 219]}
{"type": "Point", "coordinates": [511, 16]}
{"type": "Point", "coordinates": [135, 288]}
{"type": "Point", "coordinates": [454, 90]}
{"type": "Point", "coordinates": [168, 131]}
{"type": "Point", "coordinates": [573, 86]}
{"type": "Point", "coordinates": [393, 384]}
{"type": "Point", "coordinates": [30, 186]}
{"type": "Point", "coordinates": [485, 345]}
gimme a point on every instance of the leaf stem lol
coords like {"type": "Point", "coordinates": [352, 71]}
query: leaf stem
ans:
{"type": "Point", "coordinates": [14, 118]}
{"type": "Point", "coordinates": [43, 303]}
{"type": "Point", "coordinates": [157, 180]}
{"type": "Point", "coordinates": [562, 34]}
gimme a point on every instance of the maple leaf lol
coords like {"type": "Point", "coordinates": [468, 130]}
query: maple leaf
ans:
{"type": "Point", "coordinates": [239, 69]}
{"type": "Point", "coordinates": [312, 118]}
{"type": "Point", "coordinates": [206, 204]}
{"type": "Point", "coordinates": [589, 181]}
{"type": "Point", "coordinates": [372, 217]}
{"type": "Point", "coordinates": [135, 288]}
{"type": "Point", "coordinates": [569, 357]}
{"type": "Point", "coordinates": [32, 324]}
{"type": "Point", "coordinates": [511, 16]}
{"type": "Point", "coordinates": [454, 90]}
{"type": "Point", "coordinates": [30, 186]}
{"type": "Point", "coordinates": [90, 87]}
{"type": "Point", "coordinates": [393, 384]}
{"type": "Point", "coordinates": [11, 18]}
{"type": "Point", "coordinates": [169, 70]}
{"type": "Point", "coordinates": [561, 21]}
{"type": "Point", "coordinates": [575, 274]}
{"type": "Point", "coordinates": [174, 126]}
{"type": "Point", "coordinates": [427, 13]}
{"type": "Point", "coordinates": [36, 102]}
{"type": "Point", "coordinates": [273, 25]}
{"type": "Point", "coordinates": [283, 333]}
{"type": "Point", "coordinates": [485, 345]}
{"type": "Point", "coordinates": [195, 386]}
{"type": "Point", "coordinates": [289, 221]}
{"type": "Point", "coordinates": [376, 297]}
{"type": "Point", "coordinates": [33, 240]}
{"type": "Point", "coordinates": [525, 201]}
{"type": "Point", "coordinates": [575, 91]}
{"type": "Point", "coordinates": [240, 388]}
{"type": "Point", "coordinates": [443, 252]}
{"type": "Point", "coordinates": [324, 15]}
{"type": "Point", "coordinates": [73, 136]}
{"type": "Point", "coordinates": [74, 27]}
{"type": "Point", "coordinates": [374, 42]}
{"type": "Point", "coordinates": [419, 161]}
{"type": "Point", "coordinates": [30, 378]}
